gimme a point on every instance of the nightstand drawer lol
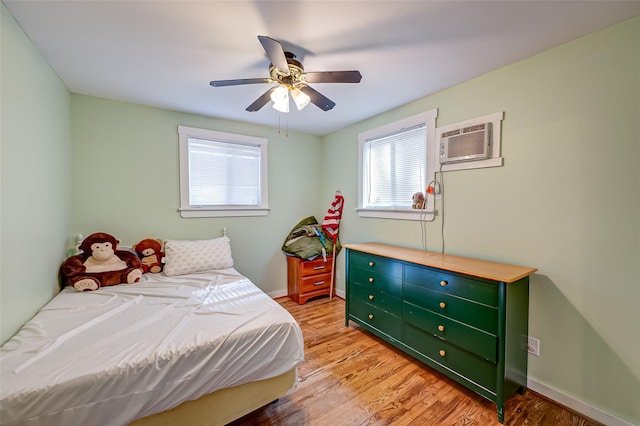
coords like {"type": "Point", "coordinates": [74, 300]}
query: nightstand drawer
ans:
{"type": "Point", "coordinates": [472, 339]}
{"type": "Point", "coordinates": [478, 291]}
{"type": "Point", "coordinates": [315, 282]}
{"type": "Point", "coordinates": [376, 298]}
{"type": "Point", "coordinates": [377, 318]}
{"type": "Point", "coordinates": [471, 313]}
{"type": "Point", "coordinates": [316, 266]}
{"type": "Point", "coordinates": [456, 359]}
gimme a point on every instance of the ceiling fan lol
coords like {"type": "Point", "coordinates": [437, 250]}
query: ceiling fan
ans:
{"type": "Point", "coordinates": [291, 79]}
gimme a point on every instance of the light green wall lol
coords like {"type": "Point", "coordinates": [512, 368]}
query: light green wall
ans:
{"type": "Point", "coordinates": [566, 201]}
{"type": "Point", "coordinates": [35, 177]}
{"type": "Point", "coordinates": [125, 182]}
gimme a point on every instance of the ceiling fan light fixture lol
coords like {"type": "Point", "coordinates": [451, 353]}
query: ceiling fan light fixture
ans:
{"type": "Point", "coordinates": [280, 98]}
{"type": "Point", "coordinates": [300, 99]}
{"type": "Point", "coordinates": [290, 75]}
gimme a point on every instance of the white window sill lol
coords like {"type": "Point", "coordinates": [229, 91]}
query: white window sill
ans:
{"type": "Point", "coordinates": [404, 214]}
{"type": "Point", "coordinates": [230, 212]}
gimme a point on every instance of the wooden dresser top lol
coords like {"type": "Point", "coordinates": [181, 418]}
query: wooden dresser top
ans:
{"type": "Point", "coordinates": [495, 271]}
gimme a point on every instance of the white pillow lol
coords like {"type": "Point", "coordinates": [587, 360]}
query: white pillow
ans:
{"type": "Point", "coordinates": [187, 256]}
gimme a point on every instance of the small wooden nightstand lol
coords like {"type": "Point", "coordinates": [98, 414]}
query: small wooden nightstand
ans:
{"type": "Point", "coordinates": [308, 278]}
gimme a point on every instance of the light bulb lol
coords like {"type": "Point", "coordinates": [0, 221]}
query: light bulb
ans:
{"type": "Point", "coordinates": [300, 99]}
{"type": "Point", "coordinates": [280, 98]}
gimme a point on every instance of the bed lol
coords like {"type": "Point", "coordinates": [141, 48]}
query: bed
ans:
{"type": "Point", "coordinates": [195, 348]}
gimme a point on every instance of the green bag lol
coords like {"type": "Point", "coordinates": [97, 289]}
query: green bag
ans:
{"type": "Point", "coordinates": [303, 242]}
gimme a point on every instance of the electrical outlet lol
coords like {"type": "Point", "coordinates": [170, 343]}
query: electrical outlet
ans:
{"type": "Point", "coordinates": [533, 346]}
{"type": "Point", "coordinates": [338, 275]}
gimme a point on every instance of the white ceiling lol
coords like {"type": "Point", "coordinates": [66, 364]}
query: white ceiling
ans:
{"type": "Point", "coordinates": [164, 53]}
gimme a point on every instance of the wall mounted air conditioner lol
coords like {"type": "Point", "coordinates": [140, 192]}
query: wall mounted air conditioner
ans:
{"type": "Point", "coordinates": [469, 143]}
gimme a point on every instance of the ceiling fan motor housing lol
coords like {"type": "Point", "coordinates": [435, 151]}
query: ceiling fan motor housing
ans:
{"type": "Point", "coordinates": [296, 72]}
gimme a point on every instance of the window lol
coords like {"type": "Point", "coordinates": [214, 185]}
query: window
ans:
{"type": "Point", "coordinates": [222, 174]}
{"type": "Point", "coordinates": [396, 161]}
{"type": "Point", "coordinates": [396, 167]}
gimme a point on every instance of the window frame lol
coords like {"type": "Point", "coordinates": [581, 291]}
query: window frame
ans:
{"type": "Point", "coordinates": [427, 118]}
{"type": "Point", "coordinates": [186, 209]}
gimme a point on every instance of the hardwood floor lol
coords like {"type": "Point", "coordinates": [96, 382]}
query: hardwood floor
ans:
{"type": "Point", "coordinates": [350, 377]}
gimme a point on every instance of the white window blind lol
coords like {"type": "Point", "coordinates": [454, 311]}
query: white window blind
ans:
{"type": "Point", "coordinates": [223, 173]}
{"type": "Point", "coordinates": [395, 168]}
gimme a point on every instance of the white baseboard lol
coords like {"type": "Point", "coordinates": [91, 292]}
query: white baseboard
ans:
{"type": "Point", "coordinates": [576, 405]}
{"type": "Point", "coordinates": [279, 293]}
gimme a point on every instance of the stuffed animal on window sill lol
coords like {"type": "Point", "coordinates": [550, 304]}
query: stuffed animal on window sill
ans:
{"type": "Point", "coordinates": [418, 201]}
{"type": "Point", "coordinates": [151, 256]}
{"type": "Point", "coordinates": [100, 264]}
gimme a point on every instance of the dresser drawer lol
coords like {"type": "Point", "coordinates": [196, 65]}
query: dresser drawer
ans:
{"type": "Point", "coordinates": [478, 291]}
{"type": "Point", "coordinates": [376, 318]}
{"type": "Point", "coordinates": [374, 279]}
{"type": "Point", "coordinates": [315, 282]}
{"type": "Point", "coordinates": [316, 266]}
{"type": "Point", "coordinates": [472, 339]}
{"type": "Point", "coordinates": [466, 364]}
{"type": "Point", "coordinates": [471, 313]}
{"type": "Point", "coordinates": [376, 298]}
{"type": "Point", "coordinates": [377, 264]}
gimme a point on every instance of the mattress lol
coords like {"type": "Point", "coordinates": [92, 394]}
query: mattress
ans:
{"type": "Point", "coordinates": [123, 352]}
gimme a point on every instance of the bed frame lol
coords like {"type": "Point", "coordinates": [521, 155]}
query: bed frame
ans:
{"type": "Point", "coordinates": [224, 405]}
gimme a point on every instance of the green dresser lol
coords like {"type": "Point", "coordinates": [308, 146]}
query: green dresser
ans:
{"type": "Point", "coordinates": [466, 318]}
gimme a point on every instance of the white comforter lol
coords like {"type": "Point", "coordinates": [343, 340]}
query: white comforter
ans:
{"type": "Point", "coordinates": [123, 352]}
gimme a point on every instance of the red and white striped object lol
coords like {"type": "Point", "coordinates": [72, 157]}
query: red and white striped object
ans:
{"type": "Point", "coordinates": [331, 220]}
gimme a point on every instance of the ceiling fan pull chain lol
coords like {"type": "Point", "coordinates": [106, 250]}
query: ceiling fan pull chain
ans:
{"type": "Point", "coordinates": [286, 128]}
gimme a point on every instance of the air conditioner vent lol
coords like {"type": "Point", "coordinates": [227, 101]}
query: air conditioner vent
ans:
{"type": "Point", "coordinates": [469, 143]}
{"type": "Point", "coordinates": [451, 133]}
{"type": "Point", "coordinates": [475, 128]}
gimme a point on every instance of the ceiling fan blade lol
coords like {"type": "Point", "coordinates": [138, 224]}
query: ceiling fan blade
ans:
{"type": "Point", "coordinates": [333, 77]}
{"type": "Point", "coordinates": [318, 99]}
{"type": "Point", "coordinates": [222, 83]}
{"type": "Point", "coordinates": [275, 53]}
{"type": "Point", "coordinates": [261, 101]}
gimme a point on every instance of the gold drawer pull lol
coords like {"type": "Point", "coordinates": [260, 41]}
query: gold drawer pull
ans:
{"type": "Point", "coordinates": [443, 305]}
{"type": "Point", "coordinates": [317, 268]}
{"type": "Point", "coordinates": [371, 297]}
{"type": "Point", "coordinates": [371, 279]}
{"type": "Point", "coordinates": [317, 283]}
{"type": "Point", "coordinates": [444, 283]}
{"type": "Point", "coordinates": [370, 316]}
{"type": "Point", "coordinates": [442, 352]}
{"type": "Point", "coordinates": [441, 328]}
{"type": "Point", "coordinates": [372, 263]}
